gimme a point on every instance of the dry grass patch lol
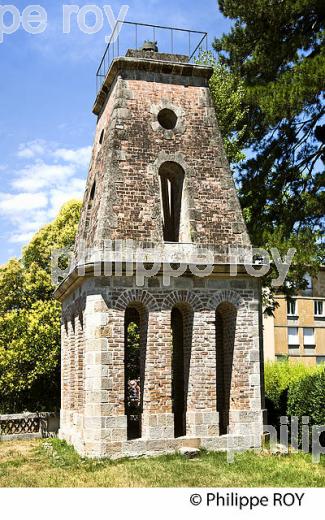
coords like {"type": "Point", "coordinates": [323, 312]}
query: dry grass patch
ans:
{"type": "Point", "coordinates": [52, 463]}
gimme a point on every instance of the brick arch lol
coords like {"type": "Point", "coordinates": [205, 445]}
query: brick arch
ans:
{"type": "Point", "coordinates": [226, 296]}
{"type": "Point", "coordinates": [163, 157]}
{"type": "Point", "coordinates": [136, 296]}
{"type": "Point", "coordinates": [182, 296]}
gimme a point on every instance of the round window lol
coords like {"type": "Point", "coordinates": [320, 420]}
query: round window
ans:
{"type": "Point", "coordinates": [167, 119]}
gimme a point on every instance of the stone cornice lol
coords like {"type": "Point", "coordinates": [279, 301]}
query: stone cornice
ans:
{"type": "Point", "coordinates": [74, 278]}
{"type": "Point", "coordinates": [119, 65]}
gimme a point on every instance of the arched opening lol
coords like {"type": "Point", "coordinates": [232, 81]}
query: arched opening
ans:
{"type": "Point", "coordinates": [182, 330]}
{"type": "Point", "coordinates": [172, 181]}
{"type": "Point", "coordinates": [135, 335]}
{"type": "Point", "coordinates": [226, 317]}
{"type": "Point", "coordinates": [101, 138]}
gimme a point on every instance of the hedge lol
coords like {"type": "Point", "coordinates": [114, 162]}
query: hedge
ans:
{"type": "Point", "coordinates": [284, 379]}
{"type": "Point", "coordinates": [306, 397]}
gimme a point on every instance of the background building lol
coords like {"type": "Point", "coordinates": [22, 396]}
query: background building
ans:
{"type": "Point", "coordinates": [297, 329]}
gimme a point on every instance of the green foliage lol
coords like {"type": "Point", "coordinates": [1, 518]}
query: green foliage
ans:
{"type": "Point", "coordinates": [276, 50]}
{"type": "Point", "coordinates": [280, 378]}
{"type": "Point", "coordinates": [133, 353]}
{"type": "Point", "coordinates": [59, 234]}
{"type": "Point", "coordinates": [30, 320]}
{"type": "Point", "coordinates": [228, 92]}
{"type": "Point", "coordinates": [307, 397]}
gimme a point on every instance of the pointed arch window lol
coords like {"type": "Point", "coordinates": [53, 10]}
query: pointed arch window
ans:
{"type": "Point", "coordinates": [172, 182]}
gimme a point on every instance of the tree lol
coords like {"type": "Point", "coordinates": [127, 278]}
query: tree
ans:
{"type": "Point", "coordinates": [276, 51]}
{"type": "Point", "coordinates": [228, 92]}
{"type": "Point", "coordinates": [30, 320]}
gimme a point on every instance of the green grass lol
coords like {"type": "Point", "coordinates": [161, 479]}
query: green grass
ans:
{"type": "Point", "coordinates": [52, 463]}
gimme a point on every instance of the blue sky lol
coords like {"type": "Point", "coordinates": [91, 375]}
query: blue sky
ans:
{"type": "Point", "coordinates": [47, 89]}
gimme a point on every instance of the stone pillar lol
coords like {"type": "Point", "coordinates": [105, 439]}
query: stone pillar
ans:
{"type": "Point", "coordinates": [114, 420]}
{"type": "Point", "coordinates": [79, 371]}
{"type": "Point", "coordinates": [64, 377]}
{"type": "Point", "coordinates": [202, 417]}
{"type": "Point", "coordinates": [104, 420]}
{"type": "Point", "coordinates": [245, 413]}
{"type": "Point", "coordinates": [71, 391]}
{"type": "Point", "coordinates": [157, 417]}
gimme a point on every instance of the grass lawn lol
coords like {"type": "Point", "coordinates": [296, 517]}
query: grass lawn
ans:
{"type": "Point", "coordinates": [52, 463]}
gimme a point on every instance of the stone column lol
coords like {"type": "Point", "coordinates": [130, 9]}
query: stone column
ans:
{"type": "Point", "coordinates": [157, 418]}
{"type": "Point", "coordinates": [202, 417]}
{"type": "Point", "coordinates": [79, 373]}
{"type": "Point", "coordinates": [64, 378]}
{"type": "Point", "coordinates": [246, 413]}
{"type": "Point", "coordinates": [104, 421]}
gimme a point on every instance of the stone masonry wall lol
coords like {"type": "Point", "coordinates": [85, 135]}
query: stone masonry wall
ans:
{"type": "Point", "coordinates": [138, 164]}
{"type": "Point", "coordinates": [125, 166]}
{"type": "Point", "coordinates": [102, 430]}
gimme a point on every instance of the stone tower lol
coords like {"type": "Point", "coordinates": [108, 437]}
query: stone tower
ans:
{"type": "Point", "coordinates": [159, 178]}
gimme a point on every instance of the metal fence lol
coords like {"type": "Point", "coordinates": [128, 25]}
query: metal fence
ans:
{"type": "Point", "coordinates": [171, 40]}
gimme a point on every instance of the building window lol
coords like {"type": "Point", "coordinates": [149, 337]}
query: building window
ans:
{"type": "Point", "coordinates": [308, 291]}
{"type": "Point", "coordinates": [320, 360]}
{"type": "Point", "coordinates": [309, 336]}
{"type": "Point", "coordinates": [309, 341]}
{"type": "Point", "coordinates": [319, 308]}
{"type": "Point", "coordinates": [292, 308]}
{"type": "Point", "coordinates": [172, 180]}
{"type": "Point", "coordinates": [101, 138]}
{"type": "Point", "coordinates": [293, 337]}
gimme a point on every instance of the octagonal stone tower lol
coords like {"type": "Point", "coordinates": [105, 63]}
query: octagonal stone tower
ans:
{"type": "Point", "coordinates": [159, 177]}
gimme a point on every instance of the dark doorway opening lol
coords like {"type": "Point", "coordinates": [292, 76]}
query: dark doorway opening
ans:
{"type": "Point", "coordinates": [135, 347]}
{"type": "Point", "coordinates": [226, 316]}
{"type": "Point", "coordinates": [182, 329]}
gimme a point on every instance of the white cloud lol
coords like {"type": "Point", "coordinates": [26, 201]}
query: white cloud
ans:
{"type": "Point", "coordinates": [21, 238]}
{"type": "Point", "coordinates": [51, 176]}
{"type": "Point", "coordinates": [59, 196]}
{"type": "Point", "coordinates": [79, 157]}
{"type": "Point", "coordinates": [41, 175]}
{"type": "Point", "coordinates": [32, 149]}
{"type": "Point", "coordinates": [21, 202]}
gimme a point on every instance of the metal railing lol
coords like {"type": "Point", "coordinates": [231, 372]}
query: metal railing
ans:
{"type": "Point", "coordinates": [170, 40]}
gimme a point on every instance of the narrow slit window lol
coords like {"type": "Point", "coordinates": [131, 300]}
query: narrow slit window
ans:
{"type": "Point", "coordinates": [101, 138]}
{"type": "Point", "coordinates": [90, 204]}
